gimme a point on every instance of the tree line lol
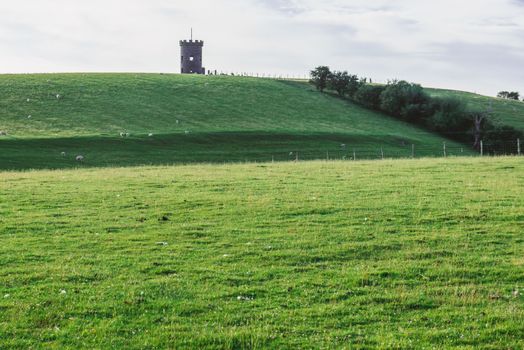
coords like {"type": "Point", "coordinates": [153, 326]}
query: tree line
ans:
{"type": "Point", "coordinates": [509, 95]}
{"type": "Point", "coordinates": [406, 101]}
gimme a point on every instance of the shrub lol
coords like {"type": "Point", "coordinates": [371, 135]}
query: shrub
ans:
{"type": "Point", "coordinates": [450, 115]}
{"type": "Point", "coordinates": [497, 138]}
{"type": "Point", "coordinates": [406, 101]}
{"type": "Point", "coordinates": [369, 95]}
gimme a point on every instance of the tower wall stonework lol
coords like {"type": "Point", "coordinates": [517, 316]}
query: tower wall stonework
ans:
{"type": "Point", "coordinates": [191, 57]}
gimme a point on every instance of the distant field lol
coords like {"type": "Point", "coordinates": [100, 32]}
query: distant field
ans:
{"type": "Point", "coordinates": [386, 254]}
{"type": "Point", "coordinates": [220, 119]}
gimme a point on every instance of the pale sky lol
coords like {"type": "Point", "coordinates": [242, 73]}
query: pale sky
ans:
{"type": "Point", "coordinates": [474, 45]}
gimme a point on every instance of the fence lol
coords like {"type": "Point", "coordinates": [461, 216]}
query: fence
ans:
{"type": "Point", "coordinates": [371, 152]}
{"type": "Point", "coordinates": [276, 76]}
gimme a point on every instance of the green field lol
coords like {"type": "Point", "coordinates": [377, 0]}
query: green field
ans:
{"type": "Point", "coordinates": [385, 254]}
{"type": "Point", "coordinates": [220, 119]}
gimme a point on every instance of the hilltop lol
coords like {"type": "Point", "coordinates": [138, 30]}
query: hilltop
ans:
{"type": "Point", "coordinates": [191, 119]}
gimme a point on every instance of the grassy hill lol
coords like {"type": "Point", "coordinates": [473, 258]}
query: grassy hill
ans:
{"type": "Point", "coordinates": [192, 119]}
{"type": "Point", "coordinates": [508, 112]}
{"type": "Point", "coordinates": [393, 254]}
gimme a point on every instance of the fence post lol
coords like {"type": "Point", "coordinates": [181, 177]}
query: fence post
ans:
{"type": "Point", "coordinates": [354, 155]}
{"type": "Point", "coordinates": [413, 150]}
{"type": "Point", "coordinates": [272, 159]}
{"type": "Point", "coordinates": [445, 153]}
{"type": "Point", "coordinates": [382, 152]}
{"type": "Point", "coordinates": [518, 147]}
{"type": "Point", "coordinates": [481, 148]}
{"type": "Point", "coordinates": [327, 155]}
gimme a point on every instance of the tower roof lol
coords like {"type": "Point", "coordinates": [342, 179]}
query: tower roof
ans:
{"type": "Point", "coordinates": [191, 42]}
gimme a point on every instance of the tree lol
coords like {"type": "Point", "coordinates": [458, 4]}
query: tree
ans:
{"type": "Point", "coordinates": [320, 76]}
{"type": "Point", "coordinates": [344, 83]}
{"type": "Point", "coordinates": [503, 94]}
{"type": "Point", "coordinates": [369, 95]}
{"type": "Point", "coordinates": [514, 95]}
{"type": "Point", "coordinates": [406, 101]}
{"type": "Point", "coordinates": [509, 95]}
{"type": "Point", "coordinates": [479, 120]}
{"type": "Point", "coordinates": [450, 116]}
{"type": "Point", "coordinates": [339, 82]}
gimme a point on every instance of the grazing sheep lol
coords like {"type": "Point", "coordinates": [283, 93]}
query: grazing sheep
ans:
{"type": "Point", "coordinates": [187, 132]}
{"type": "Point", "coordinates": [28, 117]}
{"type": "Point", "coordinates": [63, 154]}
{"type": "Point", "coordinates": [79, 158]}
{"type": "Point", "coordinates": [124, 134]}
{"type": "Point", "coordinates": [150, 135]}
{"type": "Point", "coordinates": [57, 96]}
{"type": "Point", "coordinates": [3, 133]}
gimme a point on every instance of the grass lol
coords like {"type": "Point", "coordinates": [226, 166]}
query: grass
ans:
{"type": "Point", "coordinates": [220, 118]}
{"type": "Point", "coordinates": [388, 254]}
{"type": "Point", "coordinates": [507, 112]}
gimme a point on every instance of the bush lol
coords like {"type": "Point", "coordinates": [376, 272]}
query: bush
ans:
{"type": "Point", "coordinates": [497, 138]}
{"type": "Point", "coordinates": [406, 101]}
{"type": "Point", "coordinates": [450, 115]}
{"type": "Point", "coordinates": [369, 95]}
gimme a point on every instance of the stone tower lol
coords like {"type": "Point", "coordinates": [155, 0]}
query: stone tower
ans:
{"type": "Point", "coordinates": [191, 57]}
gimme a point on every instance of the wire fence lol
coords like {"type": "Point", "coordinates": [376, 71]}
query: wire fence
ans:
{"type": "Point", "coordinates": [277, 76]}
{"type": "Point", "coordinates": [346, 152]}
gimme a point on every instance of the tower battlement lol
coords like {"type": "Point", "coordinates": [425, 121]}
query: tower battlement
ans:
{"type": "Point", "coordinates": [199, 43]}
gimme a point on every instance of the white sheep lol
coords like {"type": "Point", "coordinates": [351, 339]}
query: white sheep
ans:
{"type": "Point", "coordinates": [150, 135]}
{"type": "Point", "coordinates": [57, 96]}
{"type": "Point", "coordinates": [79, 158]}
{"type": "Point", "coordinates": [63, 154]}
{"type": "Point", "coordinates": [29, 117]}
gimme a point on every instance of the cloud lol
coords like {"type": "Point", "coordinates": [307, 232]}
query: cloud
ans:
{"type": "Point", "coordinates": [285, 6]}
{"type": "Point", "coordinates": [473, 45]}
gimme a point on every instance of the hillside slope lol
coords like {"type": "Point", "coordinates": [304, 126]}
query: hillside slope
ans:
{"type": "Point", "coordinates": [192, 118]}
{"type": "Point", "coordinates": [508, 112]}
